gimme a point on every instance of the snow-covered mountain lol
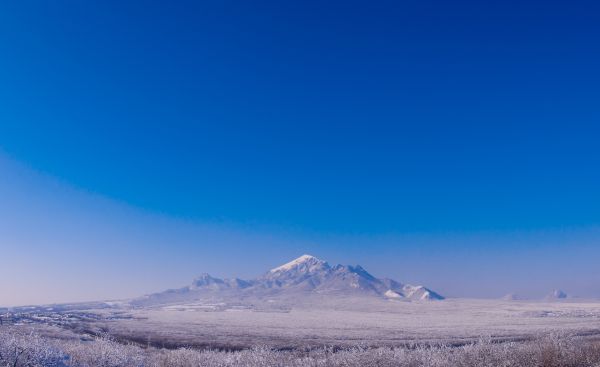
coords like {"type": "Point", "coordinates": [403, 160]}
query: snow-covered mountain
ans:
{"type": "Point", "coordinates": [556, 295]}
{"type": "Point", "coordinates": [304, 276]}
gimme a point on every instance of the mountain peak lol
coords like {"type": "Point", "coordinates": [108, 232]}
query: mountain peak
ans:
{"type": "Point", "coordinates": [557, 294]}
{"type": "Point", "coordinates": [306, 275]}
{"type": "Point", "coordinates": [205, 277]}
{"type": "Point", "coordinates": [296, 262]}
{"type": "Point", "coordinates": [206, 281]}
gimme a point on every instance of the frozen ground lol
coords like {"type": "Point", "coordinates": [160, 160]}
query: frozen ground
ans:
{"type": "Point", "coordinates": [343, 322]}
{"type": "Point", "coordinates": [19, 347]}
{"type": "Point", "coordinates": [352, 322]}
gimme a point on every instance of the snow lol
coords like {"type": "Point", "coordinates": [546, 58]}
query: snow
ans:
{"type": "Point", "coordinates": [391, 294]}
{"type": "Point", "coordinates": [365, 320]}
{"type": "Point", "coordinates": [294, 263]}
{"type": "Point", "coordinates": [306, 275]}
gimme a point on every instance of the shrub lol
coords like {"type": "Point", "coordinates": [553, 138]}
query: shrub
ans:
{"type": "Point", "coordinates": [21, 349]}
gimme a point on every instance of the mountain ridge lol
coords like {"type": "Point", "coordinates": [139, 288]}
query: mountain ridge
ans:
{"type": "Point", "coordinates": [303, 276]}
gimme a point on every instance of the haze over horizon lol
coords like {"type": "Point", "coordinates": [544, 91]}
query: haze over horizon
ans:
{"type": "Point", "coordinates": [53, 233]}
{"type": "Point", "coordinates": [449, 145]}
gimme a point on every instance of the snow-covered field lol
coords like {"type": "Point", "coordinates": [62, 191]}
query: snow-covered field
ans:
{"type": "Point", "coordinates": [20, 348]}
{"type": "Point", "coordinates": [322, 321]}
{"type": "Point", "coordinates": [355, 321]}
{"type": "Point", "coordinates": [340, 332]}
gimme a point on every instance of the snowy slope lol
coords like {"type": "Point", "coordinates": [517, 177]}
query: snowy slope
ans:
{"type": "Point", "coordinates": [304, 276]}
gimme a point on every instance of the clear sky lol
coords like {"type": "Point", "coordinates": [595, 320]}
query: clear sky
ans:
{"type": "Point", "coordinates": [450, 143]}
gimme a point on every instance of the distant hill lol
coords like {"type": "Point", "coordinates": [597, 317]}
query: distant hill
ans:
{"type": "Point", "coordinates": [557, 295]}
{"type": "Point", "coordinates": [512, 297]}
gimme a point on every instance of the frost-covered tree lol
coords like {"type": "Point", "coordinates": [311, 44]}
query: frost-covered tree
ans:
{"type": "Point", "coordinates": [26, 349]}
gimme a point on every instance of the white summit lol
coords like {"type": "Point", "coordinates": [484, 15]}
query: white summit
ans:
{"type": "Point", "coordinates": [294, 263]}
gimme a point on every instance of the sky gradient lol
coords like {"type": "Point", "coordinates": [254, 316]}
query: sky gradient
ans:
{"type": "Point", "coordinates": [453, 144]}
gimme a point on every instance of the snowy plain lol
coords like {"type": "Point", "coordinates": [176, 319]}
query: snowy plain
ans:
{"type": "Point", "coordinates": [371, 322]}
{"type": "Point", "coordinates": [309, 303]}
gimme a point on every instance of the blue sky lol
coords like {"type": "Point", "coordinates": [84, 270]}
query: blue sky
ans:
{"type": "Point", "coordinates": [432, 141]}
